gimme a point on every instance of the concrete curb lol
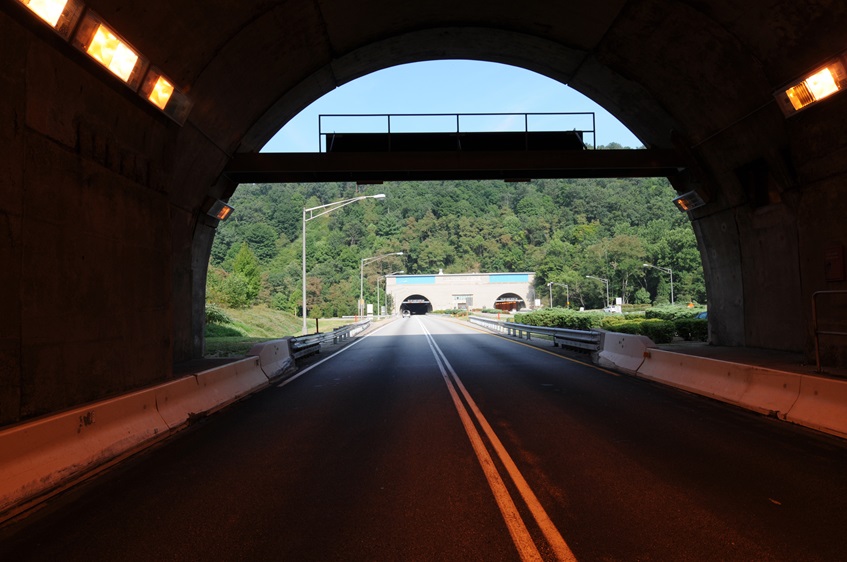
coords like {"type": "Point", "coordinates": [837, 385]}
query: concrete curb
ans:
{"type": "Point", "coordinates": [815, 402]}
{"type": "Point", "coordinates": [39, 456]}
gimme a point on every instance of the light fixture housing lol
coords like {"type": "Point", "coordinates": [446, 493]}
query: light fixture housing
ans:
{"type": "Point", "coordinates": [160, 91]}
{"type": "Point", "coordinates": [217, 209]}
{"type": "Point", "coordinates": [814, 87]}
{"type": "Point", "coordinates": [61, 15]}
{"type": "Point", "coordinates": [103, 44]}
{"type": "Point", "coordinates": [689, 201]}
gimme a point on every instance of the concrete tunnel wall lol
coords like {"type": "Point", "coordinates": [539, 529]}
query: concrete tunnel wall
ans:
{"type": "Point", "coordinates": [104, 244]}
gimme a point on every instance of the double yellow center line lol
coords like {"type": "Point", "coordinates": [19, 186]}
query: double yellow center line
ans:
{"type": "Point", "coordinates": [521, 536]}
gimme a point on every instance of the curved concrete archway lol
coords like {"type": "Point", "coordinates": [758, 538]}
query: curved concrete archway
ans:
{"type": "Point", "coordinates": [509, 302]}
{"type": "Point", "coordinates": [415, 304]}
{"type": "Point", "coordinates": [102, 221]}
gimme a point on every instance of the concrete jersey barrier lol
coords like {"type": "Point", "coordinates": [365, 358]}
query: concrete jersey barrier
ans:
{"type": "Point", "coordinates": [624, 352]}
{"type": "Point", "coordinates": [274, 357]}
{"type": "Point", "coordinates": [40, 455]}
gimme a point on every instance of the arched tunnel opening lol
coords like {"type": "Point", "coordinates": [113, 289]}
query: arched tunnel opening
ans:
{"type": "Point", "coordinates": [509, 302]}
{"type": "Point", "coordinates": [416, 305]}
{"type": "Point", "coordinates": [769, 230]}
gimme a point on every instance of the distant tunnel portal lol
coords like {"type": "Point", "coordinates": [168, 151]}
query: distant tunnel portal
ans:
{"type": "Point", "coordinates": [416, 304]}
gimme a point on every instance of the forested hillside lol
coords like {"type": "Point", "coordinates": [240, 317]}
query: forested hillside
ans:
{"type": "Point", "coordinates": [561, 229]}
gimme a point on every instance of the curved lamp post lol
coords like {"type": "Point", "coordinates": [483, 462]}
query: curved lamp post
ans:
{"type": "Point", "coordinates": [666, 270]}
{"type": "Point", "coordinates": [313, 213]}
{"type": "Point", "coordinates": [606, 281]}
{"type": "Point", "coordinates": [567, 293]}
{"type": "Point", "coordinates": [362, 278]}
{"type": "Point", "coordinates": [386, 289]}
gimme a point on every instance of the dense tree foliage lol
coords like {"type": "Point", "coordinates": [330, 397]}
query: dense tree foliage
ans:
{"type": "Point", "coordinates": [563, 230]}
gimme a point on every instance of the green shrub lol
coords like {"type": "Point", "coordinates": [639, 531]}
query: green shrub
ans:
{"type": "Point", "coordinates": [692, 329]}
{"type": "Point", "coordinates": [214, 315]}
{"type": "Point", "coordinates": [561, 318]}
{"type": "Point", "coordinates": [660, 331]}
{"type": "Point", "coordinates": [672, 313]}
{"type": "Point", "coordinates": [625, 326]}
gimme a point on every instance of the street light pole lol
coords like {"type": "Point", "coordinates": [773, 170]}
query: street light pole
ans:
{"type": "Point", "coordinates": [386, 289]}
{"type": "Point", "coordinates": [606, 281]}
{"type": "Point", "coordinates": [567, 293]}
{"type": "Point", "coordinates": [362, 277]}
{"type": "Point", "coordinates": [666, 270]}
{"type": "Point", "coordinates": [313, 213]}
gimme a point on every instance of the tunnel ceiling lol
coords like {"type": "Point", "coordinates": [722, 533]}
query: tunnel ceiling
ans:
{"type": "Point", "coordinates": [695, 67]}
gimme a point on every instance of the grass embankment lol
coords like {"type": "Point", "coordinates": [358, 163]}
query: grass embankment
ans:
{"type": "Point", "coordinates": [237, 330]}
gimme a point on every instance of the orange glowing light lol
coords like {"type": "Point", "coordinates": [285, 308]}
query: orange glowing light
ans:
{"type": "Point", "coordinates": [816, 87]}
{"type": "Point", "coordinates": [48, 10]}
{"type": "Point", "coordinates": [161, 93]}
{"type": "Point", "coordinates": [225, 211]}
{"type": "Point", "coordinates": [112, 53]}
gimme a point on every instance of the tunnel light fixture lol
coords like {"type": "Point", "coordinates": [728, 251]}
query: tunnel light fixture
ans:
{"type": "Point", "coordinates": [689, 201]}
{"type": "Point", "coordinates": [95, 38]}
{"type": "Point", "coordinates": [219, 210]}
{"type": "Point", "coordinates": [159, 90]}
{"type": "Point", "coordinates": [103, 44]}
{"type": "Point", "coordinates": [61, 15]}
{"type": "Point", "coordinates": [816, 86]}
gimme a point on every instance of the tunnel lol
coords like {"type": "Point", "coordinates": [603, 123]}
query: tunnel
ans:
{"type": "Point", "coordinates": [509, 302]}
{"type": "Point", "coordinates": [415, 304]}
{"type": "Point", "coordinates": [105, 224]}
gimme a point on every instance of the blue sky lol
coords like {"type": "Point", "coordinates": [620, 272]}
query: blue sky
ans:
{"type": "Point", "coordinates": [448, 87]}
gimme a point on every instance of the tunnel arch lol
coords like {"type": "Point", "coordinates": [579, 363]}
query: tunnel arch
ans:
{"type": "Point", "coordinates": [635, 90]}
{"type": "Point", "coordinates": [695, 77]}
{"type": "Point", "coordinates": [416, 304]}
{"type": "Point", "coordinates": [509, 302]}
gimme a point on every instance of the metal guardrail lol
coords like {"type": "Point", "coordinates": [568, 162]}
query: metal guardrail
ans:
{"type": "Point", "coordinates": [303, 346]}
{"type": "Point", "coordinates": [815, 324]}
{"type": "Point", "coordinates": [582, 340]}
{"type": "Point", "coordinates": [578, 120]}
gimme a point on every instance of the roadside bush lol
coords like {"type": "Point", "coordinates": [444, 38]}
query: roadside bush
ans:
{"type": "Point", "coordinates": [660, 331]}
{"type": "Point", "coordinates": [672, 313]}
{"type": "Point", "coordinates": [692, 329]}
{"type": "Point", "coordinates": [561, 318]}
{"type": "Point", "coordinates": [214, 315]}
{"type": "Point", "coordinates": [624, 326]}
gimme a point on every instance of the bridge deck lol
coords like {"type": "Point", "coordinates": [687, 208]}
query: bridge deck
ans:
{"type": "Point", "coordinates": [382, 166]}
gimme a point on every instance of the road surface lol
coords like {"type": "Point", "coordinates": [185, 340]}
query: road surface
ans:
{"type": "Point", "coordinates": [429, 440]}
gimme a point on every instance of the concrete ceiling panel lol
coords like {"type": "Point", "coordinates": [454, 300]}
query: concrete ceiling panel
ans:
{"type": "Point", "coordinates": [578, 25]}
{"type": "Point", "coordinates": [700, 74]}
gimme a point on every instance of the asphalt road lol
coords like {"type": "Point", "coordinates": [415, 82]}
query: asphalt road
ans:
{"type": "Point", "coordinates": [428, 440]}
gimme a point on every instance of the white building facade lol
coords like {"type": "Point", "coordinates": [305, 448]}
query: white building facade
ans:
{"type": "Point", "coordinates": [420, 294]}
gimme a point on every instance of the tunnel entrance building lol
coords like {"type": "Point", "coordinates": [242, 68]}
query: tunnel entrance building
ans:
{"type": "Point", "coordinates": [505, 291]}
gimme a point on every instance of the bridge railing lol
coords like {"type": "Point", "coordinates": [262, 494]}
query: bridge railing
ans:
{"type": "Point", "coordinates": [302, 346]}
{"type": "Point", "coordinates": [583, 340]}
{"type": "Point", "coordinates": [582, 123]}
